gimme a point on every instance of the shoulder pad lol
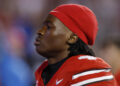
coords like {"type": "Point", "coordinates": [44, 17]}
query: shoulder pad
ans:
{"type": "Point", "coordinates": [81, 63]}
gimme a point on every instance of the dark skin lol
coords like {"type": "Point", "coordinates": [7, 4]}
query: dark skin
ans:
{"type": "Point", "coordinates": [52, 40]}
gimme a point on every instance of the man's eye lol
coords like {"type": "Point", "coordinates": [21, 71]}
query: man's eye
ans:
{"type": "Point", "coordinates": [48, 27]}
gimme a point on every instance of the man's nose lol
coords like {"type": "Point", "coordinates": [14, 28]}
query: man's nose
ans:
{"type": "Point", "coordinates": [42, 31]}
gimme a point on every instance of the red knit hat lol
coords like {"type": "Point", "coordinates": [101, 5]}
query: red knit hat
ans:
{"type": "Point", "coordinates": [79, 19]}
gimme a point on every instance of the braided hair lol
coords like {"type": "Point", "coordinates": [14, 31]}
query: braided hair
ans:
{"type": "Point", "coordinates": [80, 48]}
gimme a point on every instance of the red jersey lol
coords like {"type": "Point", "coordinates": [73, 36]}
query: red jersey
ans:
{"type": "Point", "coordinates": [81, 70]}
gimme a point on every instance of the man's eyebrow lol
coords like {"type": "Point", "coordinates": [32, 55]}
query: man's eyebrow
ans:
{"type": "Point", "coordinates": [47, 21]}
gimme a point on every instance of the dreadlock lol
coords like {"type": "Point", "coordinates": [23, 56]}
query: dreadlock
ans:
{"type": "Point", "coordinates": [80, 48]}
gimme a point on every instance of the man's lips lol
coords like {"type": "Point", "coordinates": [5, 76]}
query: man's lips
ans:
{"type": "Point", "coordinates": [37, 42]}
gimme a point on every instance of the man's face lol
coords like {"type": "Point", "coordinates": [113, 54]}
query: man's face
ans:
{"type": "Point", "coordinates": [52, 37]}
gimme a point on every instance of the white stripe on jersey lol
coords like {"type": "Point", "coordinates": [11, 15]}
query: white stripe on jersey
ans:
{"type": "Point", "coordinates": [37, 82]}
{"type": "Point", "coordinates": [89, 72]}
{"type": "Point", "coordinates": [93, 80]}
{"type": "Point", "coordinates": [87, 57]}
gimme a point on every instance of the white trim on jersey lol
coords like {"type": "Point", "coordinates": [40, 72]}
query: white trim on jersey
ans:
{"type": "Point", "coordinates": [93, 80]}
{"type": "Point", "coordinates": [89, 72]}
{"type": "Point", "coordinates": [87, 57]}
{"type": "Point", "coordinates": [37, 82]}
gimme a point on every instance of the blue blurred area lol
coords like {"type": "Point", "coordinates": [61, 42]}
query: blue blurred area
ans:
{"type": "Point", "coordinates": [14, 71]}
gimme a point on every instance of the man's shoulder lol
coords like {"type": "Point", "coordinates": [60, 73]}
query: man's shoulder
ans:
{"type": "Point", "coordinates": [86, 69]}
{"type": "Point", "coordinates": [85, 62]}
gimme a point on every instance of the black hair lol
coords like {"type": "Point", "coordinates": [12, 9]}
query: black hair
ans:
{"type": "Point", "coordinates": [80, 48]}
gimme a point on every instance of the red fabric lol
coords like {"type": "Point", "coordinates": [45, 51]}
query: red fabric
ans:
{"type": "Point", "coordinates": [104, 83]}
{"type": "Point", "coordinates": [74, 66]}
{"type": "Point", "coordinates": [79, 19]}
{"type": "Point", "coordinates": [117, 76]}
{"type": "Point", "coordinates": [91, 76]}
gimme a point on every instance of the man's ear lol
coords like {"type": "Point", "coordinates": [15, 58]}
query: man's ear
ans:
{"type": "Point", "coordinates": [73, 38]}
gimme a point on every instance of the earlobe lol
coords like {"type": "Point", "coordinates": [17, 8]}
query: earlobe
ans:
{"type": "Point", "coordinates": [73, 38]}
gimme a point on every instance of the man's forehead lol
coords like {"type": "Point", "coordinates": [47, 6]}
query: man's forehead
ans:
{"type": "Point", "coordinates": [54, 20]}
{"type": "Point", "coordinates": [50, 18]}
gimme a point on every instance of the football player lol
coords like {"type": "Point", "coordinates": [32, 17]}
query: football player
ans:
{"type": "Point", "coordinates": [64, 40]}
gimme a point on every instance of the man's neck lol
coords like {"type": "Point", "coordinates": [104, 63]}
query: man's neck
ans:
{"type": "Point", "coordinates": [58, 57]}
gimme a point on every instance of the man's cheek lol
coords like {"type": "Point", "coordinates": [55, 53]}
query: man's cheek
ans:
{"type": "Point", "coordinates": [58, 31]}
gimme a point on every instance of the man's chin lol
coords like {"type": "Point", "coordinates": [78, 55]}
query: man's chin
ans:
{"type": "Point", "coordinates": [41, 52]}
{"type": "Point", "coordinates": [44, 54]}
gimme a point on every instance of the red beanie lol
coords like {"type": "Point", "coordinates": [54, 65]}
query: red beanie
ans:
{"type": "Point", "coordinates": [79, 19]}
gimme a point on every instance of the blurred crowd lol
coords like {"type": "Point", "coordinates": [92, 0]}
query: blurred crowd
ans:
{"type": "Point", "coordinates": [19, 21]}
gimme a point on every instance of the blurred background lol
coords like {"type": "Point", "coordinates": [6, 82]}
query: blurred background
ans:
{"type": "Point", "coordinates": [19, 21]}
